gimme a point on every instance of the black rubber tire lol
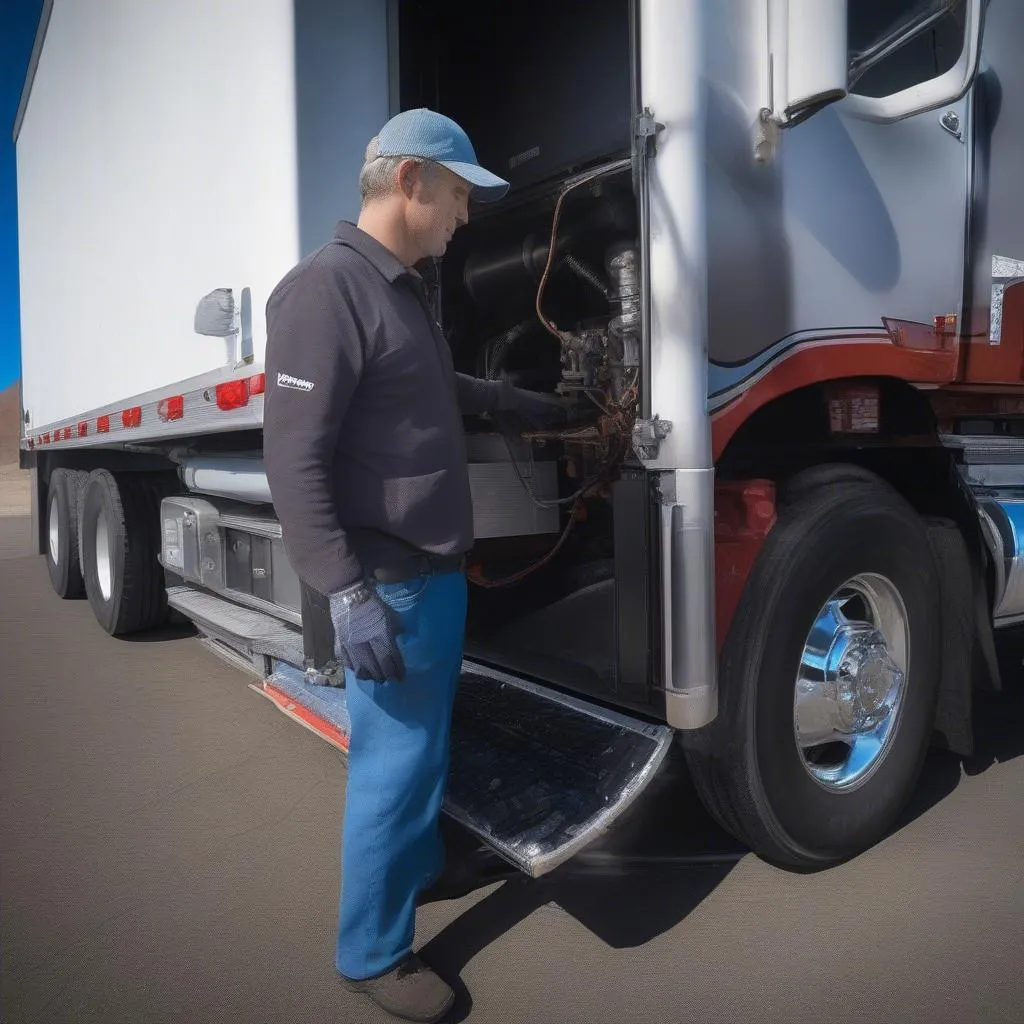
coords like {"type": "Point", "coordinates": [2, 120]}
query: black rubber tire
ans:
{"type": "Point", "coordinates": [64, 504]}
{"type": "Point", "coordinates": [77, 479]}
{"type": "Point", "coordinates": [746, 764]}
{"type": "Point", "coordinates": [131, 504]}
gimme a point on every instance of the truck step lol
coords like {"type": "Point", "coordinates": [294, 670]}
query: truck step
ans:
{"type": "Point", "coordinates": [536, 774]}
{"type": "Point", "coordinates": [246, 630]}
{"type": "Point", "coordinates": [988, 461]}
{"type": "Point", "coordinates": [987, 448]}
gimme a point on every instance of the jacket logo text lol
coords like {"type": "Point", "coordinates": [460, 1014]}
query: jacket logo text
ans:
{"type": "Point", "coordinates": [286, 380]}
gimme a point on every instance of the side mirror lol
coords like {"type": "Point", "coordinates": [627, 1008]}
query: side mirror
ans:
{"type": "Point", "coordinates": [215, 314]}
{"type": "Point", "coordinates": [218, 317]}
{"type": "Point", "coordinates": [808, 61]}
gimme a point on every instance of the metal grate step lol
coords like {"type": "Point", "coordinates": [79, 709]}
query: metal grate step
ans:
{"type": "Point", "coordinates": [987, 449]}
{"type": "Point", "coordinates": [536, 774]}
{"type": "Point", "coordinates": [244, 629]}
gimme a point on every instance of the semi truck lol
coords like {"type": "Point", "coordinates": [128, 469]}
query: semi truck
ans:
{"type": "Point", "coordinates": [770, 252]}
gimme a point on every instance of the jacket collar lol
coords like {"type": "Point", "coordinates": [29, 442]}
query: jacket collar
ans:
{"type": "Point", "coordinates": [386, 262]}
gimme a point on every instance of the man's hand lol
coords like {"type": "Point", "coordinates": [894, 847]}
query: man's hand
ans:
{"type": "Point", "coordinates": [534, 409]}
{"type": "Point", "coordinates": [364, 634]}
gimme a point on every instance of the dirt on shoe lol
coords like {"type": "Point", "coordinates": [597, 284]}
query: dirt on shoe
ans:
{"type": "Point", "coordinates": [409, 991]}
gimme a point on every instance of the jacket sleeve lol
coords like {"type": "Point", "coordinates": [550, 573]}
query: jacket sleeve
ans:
{"type": "Point", "coordinates": [476, 395]}
{"type": "Point", "coordinates": [314, 361]}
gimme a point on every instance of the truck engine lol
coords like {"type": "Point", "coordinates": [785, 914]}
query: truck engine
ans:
{"type": "Point", "coordinates": [546, 296]}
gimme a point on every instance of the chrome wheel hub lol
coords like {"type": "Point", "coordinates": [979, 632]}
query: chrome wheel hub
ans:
{"type": "Point", "coordinates": [104, 560]}
{"type": "Point", "coordinates": [851, 682]}
{"type": "Point", "coordinates": [54, 531]}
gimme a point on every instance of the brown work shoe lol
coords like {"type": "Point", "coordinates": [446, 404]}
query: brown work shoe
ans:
{"type": "Point", "coordinates": [410, 991]}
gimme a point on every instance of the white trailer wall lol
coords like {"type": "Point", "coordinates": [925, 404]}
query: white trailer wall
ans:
{"type": "Point", "coordinates": [156, 161]}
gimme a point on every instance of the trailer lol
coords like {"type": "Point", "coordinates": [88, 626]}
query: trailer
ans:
{"type": "Point", "coordinates": [773, 250]}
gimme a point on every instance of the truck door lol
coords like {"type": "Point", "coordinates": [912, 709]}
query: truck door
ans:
{"type": "Point", "coordinates": [992, 332]}
{"type": "Point", "coordinates": [896, 160]}
{"type": "Point", "coordinates": [861, 216]}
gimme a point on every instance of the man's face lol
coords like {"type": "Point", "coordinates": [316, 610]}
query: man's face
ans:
{"type": "Point", "coordinates": [437, 206]}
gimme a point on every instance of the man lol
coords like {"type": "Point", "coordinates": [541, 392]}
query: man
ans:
{"type": "Point", "coordinates": [366, 459]}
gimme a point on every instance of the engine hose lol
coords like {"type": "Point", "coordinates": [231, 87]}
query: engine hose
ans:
{"type": "Point", "coordinates": [586, 273]}
{"type": "Point", "coordinates": [484, 583]}
{"type": "Point", "coordinates": [497, 348]}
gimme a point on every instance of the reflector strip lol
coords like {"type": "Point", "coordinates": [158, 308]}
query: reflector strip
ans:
{"type": "Point", "coordinates": [304, 716]}
{"type": "Point", "coordinates": [197, 405]}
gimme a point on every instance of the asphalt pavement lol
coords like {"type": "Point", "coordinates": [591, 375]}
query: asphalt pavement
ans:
{"type": "Point", "coordinates": [169, 852]}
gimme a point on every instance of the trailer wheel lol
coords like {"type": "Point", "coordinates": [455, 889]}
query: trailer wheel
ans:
{"type": "Point", "coordinates": [120, 546]}
{"type": "Point", "coordinates": [828, 679]}
{"type": "Point", "coordinates": [63, 553]}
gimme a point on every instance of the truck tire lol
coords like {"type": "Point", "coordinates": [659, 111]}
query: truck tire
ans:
{"type": "Point", "coordinates": [828, 678]}
{"type": "Point", "coordinates": [120, 547]}
{"type": "Point", "coordinates": [63, 552]}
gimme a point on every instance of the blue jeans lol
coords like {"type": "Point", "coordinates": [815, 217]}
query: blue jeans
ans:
{"type": "Point", "coordinates": [397, 771]}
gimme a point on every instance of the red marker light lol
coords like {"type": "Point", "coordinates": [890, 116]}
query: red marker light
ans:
{"type": "Point", "coordinates": [257, 384]}
{"type": "Point", "coordinates": [132, 417]}
{"type": "Point", "coordinates": [172, 408]}
{"type": "Point", "coordinates": [103, 425]}
{"type": "Point", "coordinates": [83, 428]}
{"type": "Point", "coordinates": [232, 394]}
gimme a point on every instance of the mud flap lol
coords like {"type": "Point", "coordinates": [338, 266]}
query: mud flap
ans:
{"type": "Point", "coordinates": [536, 774]}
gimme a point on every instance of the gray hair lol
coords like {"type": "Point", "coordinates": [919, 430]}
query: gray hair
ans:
{"type": "Point", "coordinates": [377, 177]}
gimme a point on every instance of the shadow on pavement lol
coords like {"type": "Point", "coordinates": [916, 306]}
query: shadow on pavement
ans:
{"type": "Point", "coordinates": [172, 631]}
{"type": "Point", "coordinates": [638, 881]}
{"type": "Point", "coordinates": [667, 855]}
{"type": "Point", "coordinates": [998, 735]}
{"type": "Point", "coordinates": [624, 911]}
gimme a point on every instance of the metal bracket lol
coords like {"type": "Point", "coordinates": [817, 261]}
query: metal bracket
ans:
{"type": "Point", "coordinates": [1005, 272]}
{"type": "Point", "coordinates": [646, 129]}
{"type": "Point", "coordinates": [647, 437]}
{"type": "Point", "coordinates": [645, 134]}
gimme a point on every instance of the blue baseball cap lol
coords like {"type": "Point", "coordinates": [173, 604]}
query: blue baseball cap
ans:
{"type": "Point", "coordinates": [432, 136]}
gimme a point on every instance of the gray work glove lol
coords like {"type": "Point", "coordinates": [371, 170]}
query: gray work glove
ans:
{"type": "Point", "coordinates": [531, 408]}
{"type": "Point", "coordinates": [364, 633]}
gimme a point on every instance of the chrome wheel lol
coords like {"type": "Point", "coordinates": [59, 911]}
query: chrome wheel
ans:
{"type": "Point", "coordinates": [104, 563]}
{"type": "Point", "coordinates": [851, 683]}
{"type": "Point", "coordinates": [53, 522]}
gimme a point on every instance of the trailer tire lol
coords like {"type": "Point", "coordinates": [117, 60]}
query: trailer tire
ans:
{"type": "Point", "coordinates": [63, 551]}
{"type": "Point", "coordinates": [120, 547]}
{"type": "Point", "coordinates": [852, 560]}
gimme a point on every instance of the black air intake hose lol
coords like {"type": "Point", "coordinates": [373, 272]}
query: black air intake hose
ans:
{"type": "Point", "coordinates": [497, 349]}
{"type": "Point", "coordinates": [494, 270]}
{"type": "Point", "coordinates": [586, 273]}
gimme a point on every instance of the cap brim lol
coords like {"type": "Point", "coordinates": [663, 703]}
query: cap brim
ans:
{"type": "Point", "coordinates": [487, 187]}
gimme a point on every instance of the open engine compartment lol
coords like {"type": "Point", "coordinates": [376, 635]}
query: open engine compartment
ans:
{"type": "Point", "coordinates": [544, 292]}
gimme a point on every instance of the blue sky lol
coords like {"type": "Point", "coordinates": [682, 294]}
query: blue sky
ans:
{"type": "Point", "coordinates": [18, 20]}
